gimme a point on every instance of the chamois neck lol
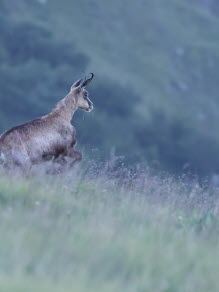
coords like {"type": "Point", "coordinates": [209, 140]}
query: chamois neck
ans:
{"type": "Point", "coordinates": [65, 108]}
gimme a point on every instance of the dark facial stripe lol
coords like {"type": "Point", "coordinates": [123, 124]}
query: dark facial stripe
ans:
{"type": "Point", "coordinates": [88, 100]}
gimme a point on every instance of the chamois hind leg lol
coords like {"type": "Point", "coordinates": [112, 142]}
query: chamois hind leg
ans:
{"type": "Point", "coordinates": [18, 169]}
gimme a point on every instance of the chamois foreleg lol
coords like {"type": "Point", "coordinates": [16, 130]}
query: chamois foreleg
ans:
{"type": "Point", "coordinates": [63, 161]}
{"type": "Point", "coordinates": [76, 155]}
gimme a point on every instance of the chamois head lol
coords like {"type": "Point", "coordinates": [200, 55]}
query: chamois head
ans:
{"type": "Point", "coordinates": [81, 94]}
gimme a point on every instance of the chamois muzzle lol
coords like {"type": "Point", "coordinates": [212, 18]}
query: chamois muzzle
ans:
{"type": "Point", "coordinates": [91, 106]}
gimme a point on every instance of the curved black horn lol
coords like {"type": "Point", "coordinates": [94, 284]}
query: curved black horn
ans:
{"type": "Point", "coordinates": [87, 81]}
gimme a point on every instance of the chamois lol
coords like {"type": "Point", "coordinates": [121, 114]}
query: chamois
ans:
{"type": "Point", "coordinates": [50, 137]}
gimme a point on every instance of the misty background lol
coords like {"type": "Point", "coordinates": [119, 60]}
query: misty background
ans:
{"type": "Point", "coordinates": [156, 66]}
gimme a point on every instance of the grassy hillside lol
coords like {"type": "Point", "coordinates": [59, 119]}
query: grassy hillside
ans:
{"type": "Point", "coordinates": [102, 227]}
{"type": "Point", "coordinates": [98, 230]}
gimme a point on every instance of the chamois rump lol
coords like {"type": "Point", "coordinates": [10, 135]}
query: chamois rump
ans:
{"type": "Point", "coordinates": [50, 137]}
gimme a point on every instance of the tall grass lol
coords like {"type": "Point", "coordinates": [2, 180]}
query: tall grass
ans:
{"type": "Point", "coordinates": [100, 229]}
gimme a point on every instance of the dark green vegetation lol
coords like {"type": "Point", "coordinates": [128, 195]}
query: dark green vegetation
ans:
{"type": "Point", "coordinates": [156, 85]}
{"type": "Point", "coordinates": [90, 231]}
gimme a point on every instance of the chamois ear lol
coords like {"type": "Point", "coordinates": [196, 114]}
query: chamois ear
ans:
{"type": "Point", "coordinates": [77, 83]}
{"type": "Point", "coordinates": [87, 81]}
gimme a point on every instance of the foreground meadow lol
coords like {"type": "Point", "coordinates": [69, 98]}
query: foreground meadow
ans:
{"type": "Point", "coordinates": [96, 229]}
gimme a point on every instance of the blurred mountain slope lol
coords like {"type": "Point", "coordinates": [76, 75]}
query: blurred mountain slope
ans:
{"type": "Point", "coordinates": [166, 55]}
